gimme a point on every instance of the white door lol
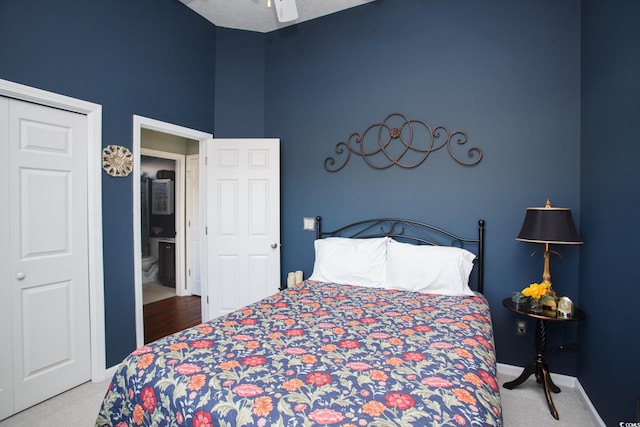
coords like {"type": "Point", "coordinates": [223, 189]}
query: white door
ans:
{"type": "Point", "coordinates": [47, 242]}
{"type": "Point", "coordinates": [242, 222]}
{"type": "Point", "coordinates": [193, 225]}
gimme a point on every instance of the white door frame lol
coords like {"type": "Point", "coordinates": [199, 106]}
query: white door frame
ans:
{"type": "Point", "coordinates": [190, 201]}
{"type": "Point", "coordinates": [140, 123]}
{"type": "Point", "coordinates": [94, 201]}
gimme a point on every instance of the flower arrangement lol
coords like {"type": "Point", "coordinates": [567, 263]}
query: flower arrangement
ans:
{"type": "Point", "coordinates": [539, 295]}
{"type": "Point", "coordinates": [536, 290]}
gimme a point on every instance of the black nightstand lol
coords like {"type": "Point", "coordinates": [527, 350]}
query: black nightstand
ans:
{"type": "Point", "coordinates": [539, 366]}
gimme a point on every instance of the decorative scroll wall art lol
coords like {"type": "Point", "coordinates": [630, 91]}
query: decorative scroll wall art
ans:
{"type": "Point", "coordinates": [117, 160]}
{"type": "Point", "coordinates": [400, 141]}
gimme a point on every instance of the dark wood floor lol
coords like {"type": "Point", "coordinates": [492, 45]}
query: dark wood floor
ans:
{"type": "Point", "coordinates": [170, 315]}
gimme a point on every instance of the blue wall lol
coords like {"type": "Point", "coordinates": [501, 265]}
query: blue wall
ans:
{"type": "Point", "coordinates": [240, 82]}
{"type": "Point", "coordinates": [146, 57]}
{"type": "Point", "coordinates": [507, 73]}
{"type": "Point", "coordinates": [610, 199]}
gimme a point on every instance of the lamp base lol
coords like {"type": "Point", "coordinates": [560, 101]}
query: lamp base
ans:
{"type": "Point", "coordinates": [550, 290]}
{"type": "Point", "coordinates": [546, 273]}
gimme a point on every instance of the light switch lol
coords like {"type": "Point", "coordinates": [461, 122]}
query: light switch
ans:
{"type": "Point", "coordinates": [309, 223]}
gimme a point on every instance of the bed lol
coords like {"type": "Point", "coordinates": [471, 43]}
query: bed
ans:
{"type": "Point", "coordinates": [363, 350]}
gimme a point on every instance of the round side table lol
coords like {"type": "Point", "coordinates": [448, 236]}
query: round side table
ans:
{"type": "Point", "coordinates": [538, 366]}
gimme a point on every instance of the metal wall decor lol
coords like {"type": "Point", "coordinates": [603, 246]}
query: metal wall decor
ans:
{"type": "Point", "coordinates": [117, 160]}
{"type": "Point", "coordinates": [400, 141]}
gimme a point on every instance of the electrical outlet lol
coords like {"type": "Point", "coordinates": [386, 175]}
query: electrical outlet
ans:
{"type": "Point", "coordinates": [521, 327]}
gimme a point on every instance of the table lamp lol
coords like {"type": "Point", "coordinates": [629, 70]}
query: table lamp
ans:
{"type": "Point", "coordinates": [549, 225]}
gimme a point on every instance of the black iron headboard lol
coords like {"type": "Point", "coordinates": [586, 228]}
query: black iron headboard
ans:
{"type": "Point", "coordinates": [412, 232]}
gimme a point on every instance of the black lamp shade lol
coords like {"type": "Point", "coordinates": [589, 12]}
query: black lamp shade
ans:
{"type": "Point", "coordinates": [549, 225]}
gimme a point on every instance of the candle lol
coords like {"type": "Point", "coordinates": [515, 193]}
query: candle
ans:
{"type": "Point", "coordinates": [291, 279]}
{"type": "Point", "coordinates": [298, 276]}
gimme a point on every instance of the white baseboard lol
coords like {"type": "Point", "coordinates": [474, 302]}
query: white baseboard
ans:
{"type": "Point", "coordinates": [560, 380]}
{"type": "Point", "coordinates": [585, 399]}
{"type": "Point", "coordinates": [108, 373]}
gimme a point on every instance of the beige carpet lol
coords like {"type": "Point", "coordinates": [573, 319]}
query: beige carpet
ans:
{"type": "Point", "coordinates": [154, 291]}
{"type": "Point", "coordinates": [524, 406]}
{"type": "Point", "coordinates": [77, 407]}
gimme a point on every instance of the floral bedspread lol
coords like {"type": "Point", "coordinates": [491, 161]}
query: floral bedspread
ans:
{"type": "Point", "coordinates": [318, 355]}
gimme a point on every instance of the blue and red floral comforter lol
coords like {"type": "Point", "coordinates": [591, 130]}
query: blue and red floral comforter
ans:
{"type": "Point", "coordinates": [317, 355]}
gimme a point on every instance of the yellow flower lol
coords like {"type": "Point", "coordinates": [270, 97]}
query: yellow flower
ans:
{"type": "Point", "coordinates": [536, 290]}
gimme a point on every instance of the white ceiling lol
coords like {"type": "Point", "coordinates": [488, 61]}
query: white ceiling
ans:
{"type": "Point", "coordinates": [253, 15]}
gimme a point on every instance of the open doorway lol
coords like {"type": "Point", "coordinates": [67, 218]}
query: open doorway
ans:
{"type": "Point", "coordinates": [163, 207]}
{"type": "Point", "coordinates": [158, 224]}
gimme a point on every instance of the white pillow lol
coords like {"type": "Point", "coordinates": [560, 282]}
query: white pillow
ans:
{"type": "Point", "coordinates": [351, 261]}
{"type": "Point", "coordinates": [428, 269]}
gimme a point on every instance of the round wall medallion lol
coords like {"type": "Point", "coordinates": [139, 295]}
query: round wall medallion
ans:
{"type": "Point", "coordinates": [117, 160]}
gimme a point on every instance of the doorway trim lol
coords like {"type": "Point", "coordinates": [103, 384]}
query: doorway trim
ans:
{"type": "Point", "coordinates": [139, 123]}
{"type": "Point", "coordinates": [94, 206]}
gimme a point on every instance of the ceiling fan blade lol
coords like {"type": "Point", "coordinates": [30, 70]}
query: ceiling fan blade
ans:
{"type": "Point", "coordinates": [286, 10]}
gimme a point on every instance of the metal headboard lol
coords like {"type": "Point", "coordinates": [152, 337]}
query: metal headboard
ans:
{"type": "Point", "coordinates": [411, 231]}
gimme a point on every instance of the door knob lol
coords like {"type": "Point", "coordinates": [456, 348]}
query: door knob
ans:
{"type": "Point", "coordinates": [20, 276]}
{"type": "Point", "coordinates": [274, 245]}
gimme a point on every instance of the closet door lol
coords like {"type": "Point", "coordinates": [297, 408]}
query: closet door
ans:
{"type": "Point", "coordinates": [47, 244]}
